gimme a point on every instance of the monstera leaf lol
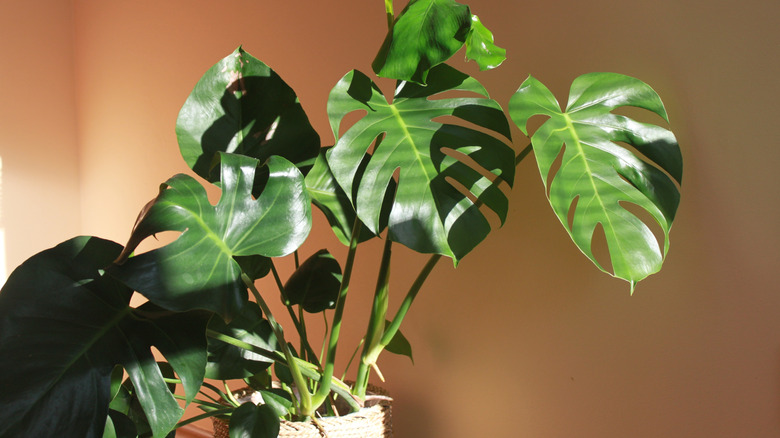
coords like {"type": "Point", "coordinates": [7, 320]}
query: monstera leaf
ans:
{"type": "Point", "coordinates": [425, 34]}
{"type": "Point", "coordinates": [64, 324]}
{"type": "Point", "coordinates": [431, 208]}
{"type": "Point", "coordinates": [599, 181]}
{"type": "Point", "coordinates": [241, 106]}
{"type": "Point", "coordinates": [315, 284]}
{"type": "Point", "coordinates": [197, 270]}
{"type": "Point", "coordinates": [481, 48]}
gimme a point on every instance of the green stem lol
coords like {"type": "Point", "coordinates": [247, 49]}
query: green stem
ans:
{"type": "Point", "coordinates": [352, 358]}
{"type": "Point", "coordinates": [200, 402]}
{"type": "Point", "coordinates": [230, 397]}
{"type": "Point", "coordinates": [376, 323]}
{"type": "Point", "coordinates": [299, 327]}
{"type": "Point", "coordinates": [308, 370]}
{"type": "Point", "coordinates": [213, 413]}
{"type": "Point", "coordinates": [392, 329]}
{"type": "Point", "coordinates": [330, 361]}
{"type": "Point", "coordinates": [305, 347]}
{"type": "Point", "coordinates": [305, 400]}
{"type": "Point", "coordinates": [389, 13]}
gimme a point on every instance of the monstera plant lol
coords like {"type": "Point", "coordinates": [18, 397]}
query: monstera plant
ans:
{"type": "Point", "coordinates": [420, 169]}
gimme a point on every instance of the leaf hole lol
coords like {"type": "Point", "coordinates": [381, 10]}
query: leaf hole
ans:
{"type": "Point", "coordinates": [600, 249]}
{"type": "Point", "coordinates": [350, 119]}
{"type": "Point", "coordinates": [646, 218]}
{"type": "Point", "coordinates": [640, 115]}
{"type": "Point", "coordinates": [157, 240]}
{"type": "Point", "coordinates": [554, 168]}
{"type": "Point", "coordinates": [491, 216]}
{"type": "Point", "coordinates": [474, 165]}
{"type": "Point", "coordinates": [572, 211]}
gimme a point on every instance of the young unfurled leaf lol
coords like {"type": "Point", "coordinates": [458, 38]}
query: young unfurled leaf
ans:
{"type": "Point", "coordinates": [425, 34]}
{"type": "Point", "coordinates": [481, 48]}
{"type": "Point", "coordinates": [602, 176]}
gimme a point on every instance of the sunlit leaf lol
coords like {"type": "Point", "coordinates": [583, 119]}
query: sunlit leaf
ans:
{"type": "Point", "coordinates": [425, 34]}
{"type": "Point", "coordinates": [601, 177]}
{"type": "Point", "coordinates": [481, 48]}
{"type": "Point", "coordinates": [441, 161]}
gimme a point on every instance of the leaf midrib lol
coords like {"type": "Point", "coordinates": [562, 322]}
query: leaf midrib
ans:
{"type": "Point", "coordinates": [88, 346]}
{"type": "Point", "coordinates": [588, 171]}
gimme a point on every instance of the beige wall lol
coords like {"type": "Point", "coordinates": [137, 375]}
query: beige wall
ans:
{"type": "Point", "coordinates": [524, 338]}
{"type": "Point", "coordinates": [39, 186]}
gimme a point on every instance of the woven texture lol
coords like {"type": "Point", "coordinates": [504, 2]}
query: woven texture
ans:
{"type": "Point", "coordinates": [373, 421]}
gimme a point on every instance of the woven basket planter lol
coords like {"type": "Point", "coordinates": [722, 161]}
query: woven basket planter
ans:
{"type": "Point", "coordinates": [372, 421]}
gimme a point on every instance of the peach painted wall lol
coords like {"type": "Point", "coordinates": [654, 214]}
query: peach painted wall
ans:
{"type": "Point", "coordinates": [525, 338]}
{"type": "Point", "coordinates": [39, 185]}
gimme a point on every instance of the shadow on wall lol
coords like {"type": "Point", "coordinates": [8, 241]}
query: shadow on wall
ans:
{"type": "Point", "coordinates": [418, 419]}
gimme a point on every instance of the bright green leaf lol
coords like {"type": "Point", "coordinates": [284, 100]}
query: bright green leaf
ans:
{"type": "Point", "coordinates": [599, 178]}
{"type": "Point", "coordinates": [481, 48]}
{"type": "Point", "coordinates": [431, 208]}
{"type": "Point", "coordinates": [69, 325]}
{"type": "Point", "coordinates": [241, 106]}
{"type": "Point", "coordinates": [197, 270]}
{"type": "Point", "coordinates": [425, 34]}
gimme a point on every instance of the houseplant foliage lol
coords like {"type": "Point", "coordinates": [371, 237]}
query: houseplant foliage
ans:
{"type": "Point", "coordinates": [420, 168]}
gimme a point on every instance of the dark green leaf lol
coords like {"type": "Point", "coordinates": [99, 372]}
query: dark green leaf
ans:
{"type": "Point", "coordinates": [241, 106]}
{"type": "Point", "coordinates": [399, 344]}
{"type": "Point", "coordinates": [481, 48]}
{"type": "Point", "coordinates": [69, 325]}
{"type": "Point", "coordinates": [254, 266]}
{"type": "Point", "coordinates": [425, 34]}
{"type": "Point", "coordinates": [198, 270]}
{"type": "Point", "coordinates": [250, 421]}
{"type": "Point", "coordinates": [315, 284]}
{"type": "Point", "coordinates": [261, 380]}
{"type": "Point", "coordinates": [119, 425]}
{"type": "Point", "coordinates": [598, 178]}
{"type": "Point", "coordinates": [432, 211]}
{"type": "Point", "coordinates": [230, 362]}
